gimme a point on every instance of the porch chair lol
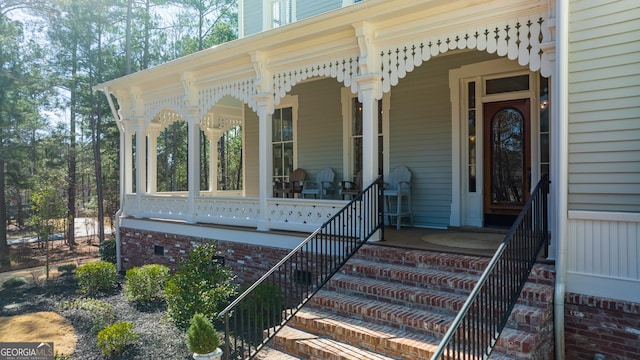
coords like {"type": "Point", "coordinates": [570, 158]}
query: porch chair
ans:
{"type": "Point", "coordinates": [322, 186]}
{"type": "Point", "coordinates": [351, 188]}
{"type": "Point", "coordinates": [398, 186]}
{"type": "Point", "coordinates": [293, 186]}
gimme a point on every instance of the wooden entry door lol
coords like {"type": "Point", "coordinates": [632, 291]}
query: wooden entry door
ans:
{"type": "Point", "coordinates": [507, 160]}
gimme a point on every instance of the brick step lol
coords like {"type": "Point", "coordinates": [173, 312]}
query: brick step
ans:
{"type": "Point", "coordinates": [523, 317]}
{"type": "Point", "coordinates": [372, 337]}
{"type": "Point", "coordinates": [309, 346]}
{"type": "Point", "coordinates": [533, 294]}
{"type": "Point", "coordinates": [511, 342]}
{"type": "Point", "coordinates": [412, 258]}
{"type": "Point", "coordinates": [541, 273]}
{"type": "Point", "coordinates": [269, 353]}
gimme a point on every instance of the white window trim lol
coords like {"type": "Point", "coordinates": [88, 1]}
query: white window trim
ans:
{"type": "Point", "coordinates": [292, 102]}
{"type": "Point", "coordinates": [347, 101]}
{"type": "Point", "coordinates": [458, 78]}
{"type": "Point", "coordinates": [267, 14]}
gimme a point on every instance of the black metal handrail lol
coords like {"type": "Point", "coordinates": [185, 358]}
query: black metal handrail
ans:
{"type": "Point", "coordinates": [477, 327]}
{"type": "Point", "coordinates": [255, 317]}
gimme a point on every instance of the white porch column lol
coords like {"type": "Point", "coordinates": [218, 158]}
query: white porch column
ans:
{"type": "Point", "coordinates": [213, 135]}
{"type": "Point", "coordinates": [126, 165]}
{"type": "Point", "coordinates": [153, 131]}
{"type": "Point", "coordinates": [193, 156]}
{"type": "Point", "coordinates": [265, 112]}
{"type": "Point", "coordinates": [369, 86]}
{"type": "Point", "coordinates": [141, 165]}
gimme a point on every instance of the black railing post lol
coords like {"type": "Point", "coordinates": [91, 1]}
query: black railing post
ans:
{"type": "Point", "coordinates": [302, 273]}
{"type": "Point", "coordinates": [473, 335]}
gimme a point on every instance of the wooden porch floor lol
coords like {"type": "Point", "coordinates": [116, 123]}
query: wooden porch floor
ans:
{"type": "Point", "coordinates": [465, 241]}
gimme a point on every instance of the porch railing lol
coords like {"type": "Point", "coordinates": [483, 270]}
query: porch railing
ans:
{"type": "Point", "coordinates": [255, 317]}
{"type": "Point", "coordinates": [484, 315]}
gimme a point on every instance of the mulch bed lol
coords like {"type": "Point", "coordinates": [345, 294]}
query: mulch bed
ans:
{"type": "Point", "coordinates": [159, 338]}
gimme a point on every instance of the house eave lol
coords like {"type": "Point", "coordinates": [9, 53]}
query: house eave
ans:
{"type": "Point", "coordinates": [311, 36]}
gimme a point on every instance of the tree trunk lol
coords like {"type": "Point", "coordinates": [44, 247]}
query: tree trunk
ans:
{"type": "Point", "coordinates": [71, 200]}
{"type": "Point", "coordinates": [97, 130]}
{"type": "Point", "coordinates": [4, 247]}
{"type": "Point", "coordinates": [128, 38]}
{"type": "Point", "coordinates": [223, 161]}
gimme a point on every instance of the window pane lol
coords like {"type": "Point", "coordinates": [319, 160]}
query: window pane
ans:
{"type": "Point", "coordinates": [544, 148]}
{"type": "Point", "coordinates": [544, 104]}
{"type": "Point", "coordinates": [277, 160]}
{"type": "Point", "coordinates": [357, 155]}
{"type": "Point", "coordinates": [509, 84]}
{"type": "Point", "coordinates": [277, 126]}
{"type": "Point", "coordinates": [507, 157]}
{"type": "Point", "coordinates": [356, 123]}
{"type": "Point", "coordinates": [288, 158]}
{"type": "Point", "coordinates": [380, 117]}
{"type": "Point", "coordinates": [471, 103]}
{"type": "Point", "coordinates": [287, 124]}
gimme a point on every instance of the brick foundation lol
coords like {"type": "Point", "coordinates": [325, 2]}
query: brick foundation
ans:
{"type": "Point", "coordinates": [601, 328]}
{"type": "Point", "coordinates": [249, 262]}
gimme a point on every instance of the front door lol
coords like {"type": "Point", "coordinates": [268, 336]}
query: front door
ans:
{"type": "Point", "coordinates": [507, 160]}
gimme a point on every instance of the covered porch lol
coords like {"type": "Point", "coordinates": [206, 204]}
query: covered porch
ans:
{"type": "Point", "coordinates": [353, 92]}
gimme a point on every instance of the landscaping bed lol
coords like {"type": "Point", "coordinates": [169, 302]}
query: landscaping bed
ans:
{"type": "Point", "coordinates": [158, 338]}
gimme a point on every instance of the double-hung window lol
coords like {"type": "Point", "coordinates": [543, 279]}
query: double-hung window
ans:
{"type": "Point", "coordinates": [281, 12]}
{"type": "Point", "coordinates": [283, 140]}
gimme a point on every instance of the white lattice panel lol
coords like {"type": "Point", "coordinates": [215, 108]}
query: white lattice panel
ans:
{"type": "Point", "coordinates": [227, 209]}
{"type": "Point", "coordinates": [169, 207]}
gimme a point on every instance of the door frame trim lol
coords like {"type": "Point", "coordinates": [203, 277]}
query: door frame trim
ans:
{"type": "Point", "coordinates": [461, 205]}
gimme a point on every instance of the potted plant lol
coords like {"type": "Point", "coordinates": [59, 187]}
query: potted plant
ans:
{"type": "Point", "coordinates": [202, 339]}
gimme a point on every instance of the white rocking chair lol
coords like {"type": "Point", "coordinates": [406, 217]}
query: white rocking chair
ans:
{"type": "Point", "coordinates": [398, 186]}
{"type": "Point", "coordinates": [323, 185]}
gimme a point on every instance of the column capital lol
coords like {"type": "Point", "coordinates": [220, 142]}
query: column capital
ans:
{"type": "Point", "coordinates": [369, 83]}
{"type": "Point", "coordinates": [191, 113]}
{"type": "Point", "coordinates": [265, 100]}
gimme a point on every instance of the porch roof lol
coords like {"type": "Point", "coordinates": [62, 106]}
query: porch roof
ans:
{"type": "Point", "coordinates": [354, 32]}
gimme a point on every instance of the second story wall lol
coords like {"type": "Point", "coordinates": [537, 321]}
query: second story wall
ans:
{"type": "Point", "coordinates": [308, 8]}
{"type": "Point", "coordinates": [251, 12]}
{"type": "Point", "coordinates": [257, 15]}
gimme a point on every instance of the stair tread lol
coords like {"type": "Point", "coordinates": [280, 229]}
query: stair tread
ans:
{"type": "Point", "coordinates": [404, 317]}
{"type": "Point", "coordinates": [434, 279]}
{"type": "Point", "coordinates": [269, 353]}
{"type": "Point", "coordinates": [428, 299]}
{"type": "Point", "coordinates": [443, 261]}
{"type": "Point", "coordinates": [322, 348]}
{"type": "Point", "coordinates": [365, 334]}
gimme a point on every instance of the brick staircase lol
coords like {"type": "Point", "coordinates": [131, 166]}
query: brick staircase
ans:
{"type": "Point", "coordinates": [390, 303]}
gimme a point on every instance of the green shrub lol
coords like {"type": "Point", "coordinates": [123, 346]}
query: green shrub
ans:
{"type": "Point", "coordinates": [67, 269]}
{"type": "Point", "coordinates": [113, 339]}
{"type": "Point", "coordinates": [108, 251]}
{"type": "Point", "coordinates": [202, 338]}
{"type": "Point", "coordinates": [14, 283]}
{"type": "Point", "coordinates": [96, 277]}
{"type": "Point", "coordinates": [263, 305]}
{"type": "Point", "coordinates": [59, 356]}
{"type": "Point", "coordinates": [199, 286]}
{"type": "Point", "coordinates": [146, 283]}
{"type": "Point", "coordinates": [102, 312]}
